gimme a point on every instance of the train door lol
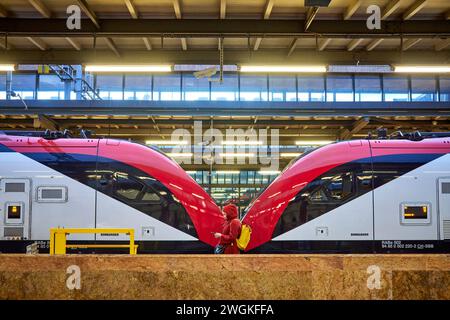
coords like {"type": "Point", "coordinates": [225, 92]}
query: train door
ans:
{"type": "Point", "coordinates": [15, 209]}
{"type": "Point", "coordinates": [444, 207]}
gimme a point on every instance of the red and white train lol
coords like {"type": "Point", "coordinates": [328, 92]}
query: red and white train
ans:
{"type": "Point", "coordinates": [48, 182]}
{"type": "Point", "coordinates": [382, 195]}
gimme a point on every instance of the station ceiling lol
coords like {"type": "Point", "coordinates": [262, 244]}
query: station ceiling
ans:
{"type": "Point", "coordinates": [188, 31]}
{"type": "Point", "coordinates": [252, 31]}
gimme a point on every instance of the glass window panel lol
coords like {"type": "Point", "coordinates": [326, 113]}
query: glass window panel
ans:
{"type": "Point", "coordinates": [282, 88]}
{"type": "Point", "coordinates": [2, 86]}
{"type": "Point", "coordinates": [258, 178]}
{"type": "Point", "coordinates": [423, 88]}
{"type": "Point", "coordinates": [253, 88]}
{"type": "Point", "coordinates": [24, 84]}
{"type": "Point", "coordinates": [125, 187]}
{"type": "Point", "coordinates": [205, 177]}
{"type": "Point", "coordinates": [221, 178]}
{"type": "Point", "coordinates": [214, 177]}
{"type": "Point", "coordinates": [138, 87]}
{"type": "Point", "coordinates": [251, 177]}
{"type": "Point", "coordinates": [50, 88]}
{"type": "Point", "coordinates": [195, 89]}
{"type": "Point", "coordinates": [243, 177]}
{"type": "Point", "coordinates": [368, 88]}
{"type": "Point", "coordinates": [167, 87]}
{"type": "Point", "coordinates": [339, 88]}
{"type": "Point", "coordinates": [444, 84]}
{"type": "Point", "coordinates": [396, 88]}
{"type": "Point", "coordinates": [110, 86]}
{"type": "Point", "coordinates": [228, 178]}
{"type": "Point", "coordinates": [311, 88]}
{"type": "Point", "coordinates": [227, 90]}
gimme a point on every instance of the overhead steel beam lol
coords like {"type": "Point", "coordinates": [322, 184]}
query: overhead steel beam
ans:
{"type": "Point", "coordinates": [223, 9]}
{"type": "Point", "coordinates": [210, 28]}
{"type": "Point", "coordinates": [41, 8]}
{"type": "Point", "coordinates": [219, 123]}
{"type": "Point", "coordinates": [293, 46]}
{"type": "Point", "coordinates": [135, 15]}
{"type": "Point", "coordinates": [266, 15]}
{"type": "Point", "coordinates": [414, 9]}
{"type": "Point", "coordinates": [442, 45]}
{"type": "Point", "coordinates": [167, 132]}
{"type": "Point", "coordinates": [89, 13]}
{"type": "Point", "coordinates": [275, 56]}
{"type": "Point", "coordinates": [184, 44]}
{"type": "Point", "coordinates": [147, 43]}
{"type": "Point", "coordinates": [353, 44]}
{"type": "Point", "coordinates": [357, 127]}
{"type": "Point", "coordinates": [351, 9]}
{"type": "Point", "coordinates": [234, 123]}
{"type": "Point", "coordinates": [226, 108]}
{"type": "Point", "coordinates": [177, 8]}
{"type": "Point", "coordinates": [3, 12]}
{"type": "Point", "coordinates": [44, 122]}
{"type": "Point", "coordinates": [3, 44]}
{"type": "Point", "coordinates": [257, 44]}
{"type": "Point", "coordinates": [39, 43]}
{"type": "Point", "coordinates": [373, 44]}
{"type": "Point", "coordinates": [73, 43]}
{"type": "Point", "coordinates": [310, 15]}
{"type": "Point", "coordinates": [323, 44]}
{"type": "Point", "coordinates": [110, 43]}
{"type": "Point", "coordinates": [132, 9]}
{"type": "Point", "coordinates": [410, 43]}
{"type": "Point", "coordinates": [391, 7]}
{"type": "Point", "coordinates": [268, 8]}
{"type": "Point", "coordinates": [178, 15]}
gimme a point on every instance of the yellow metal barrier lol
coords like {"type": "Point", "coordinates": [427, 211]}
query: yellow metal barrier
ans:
{"type": "Point", "coordinates": [58, 241]}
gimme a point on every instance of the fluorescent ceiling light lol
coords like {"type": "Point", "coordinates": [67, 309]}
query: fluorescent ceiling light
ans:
{"type": "Point", "coordinates": [166, 142]}
{"type": "Point", "coordinates": [180, 154]}
{"type": "Point", "coordinates": [267, 172]}
{"type": "Point", "coordinates": [228, 172]}
{"type": "Point", "coordinates": [422, 69]}
{"type": "Point", "coordinates": [290, 154]}
{"type": "Point", "coordinates": [128, 68]}
{"type": "Point", "coordinates": [241, 143]}
{"type": "Point", "coordinates": [237, 154]}
{"type": "Point", "coordinates": [360, 68]}
{"type": "Point", "coordinates": [282, 69]}
{"type": "Point", "coordinates": [313, 143]}
{"type": "Point", "coordinates": [199, 67]}
{"type": "Point", "coordinates": [7, 67]}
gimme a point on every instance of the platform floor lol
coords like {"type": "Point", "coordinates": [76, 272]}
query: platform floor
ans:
{"type": "Point", "coordinates": [225, 277]}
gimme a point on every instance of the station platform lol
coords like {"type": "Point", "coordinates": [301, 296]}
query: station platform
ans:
{"type": "Point", "coordinates": [243, 277]}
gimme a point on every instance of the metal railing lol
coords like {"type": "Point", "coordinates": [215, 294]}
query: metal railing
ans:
{"type": "Point", "coordinates": [58, 239]}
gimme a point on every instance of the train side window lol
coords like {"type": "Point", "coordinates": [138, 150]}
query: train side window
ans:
{"type": "Point", "coordinates": [150, 196]}
{"type": "Point", "coordinates": [336, 187]}
{"type": "Point", "coordinates": [126, 187]}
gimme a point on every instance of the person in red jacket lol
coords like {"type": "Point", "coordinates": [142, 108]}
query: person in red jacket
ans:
{"type": "Point", "coordinates": [231, 230]}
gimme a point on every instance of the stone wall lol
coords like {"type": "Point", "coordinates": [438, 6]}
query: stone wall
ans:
{"type": "Point", "coordinates": [227, 277]}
